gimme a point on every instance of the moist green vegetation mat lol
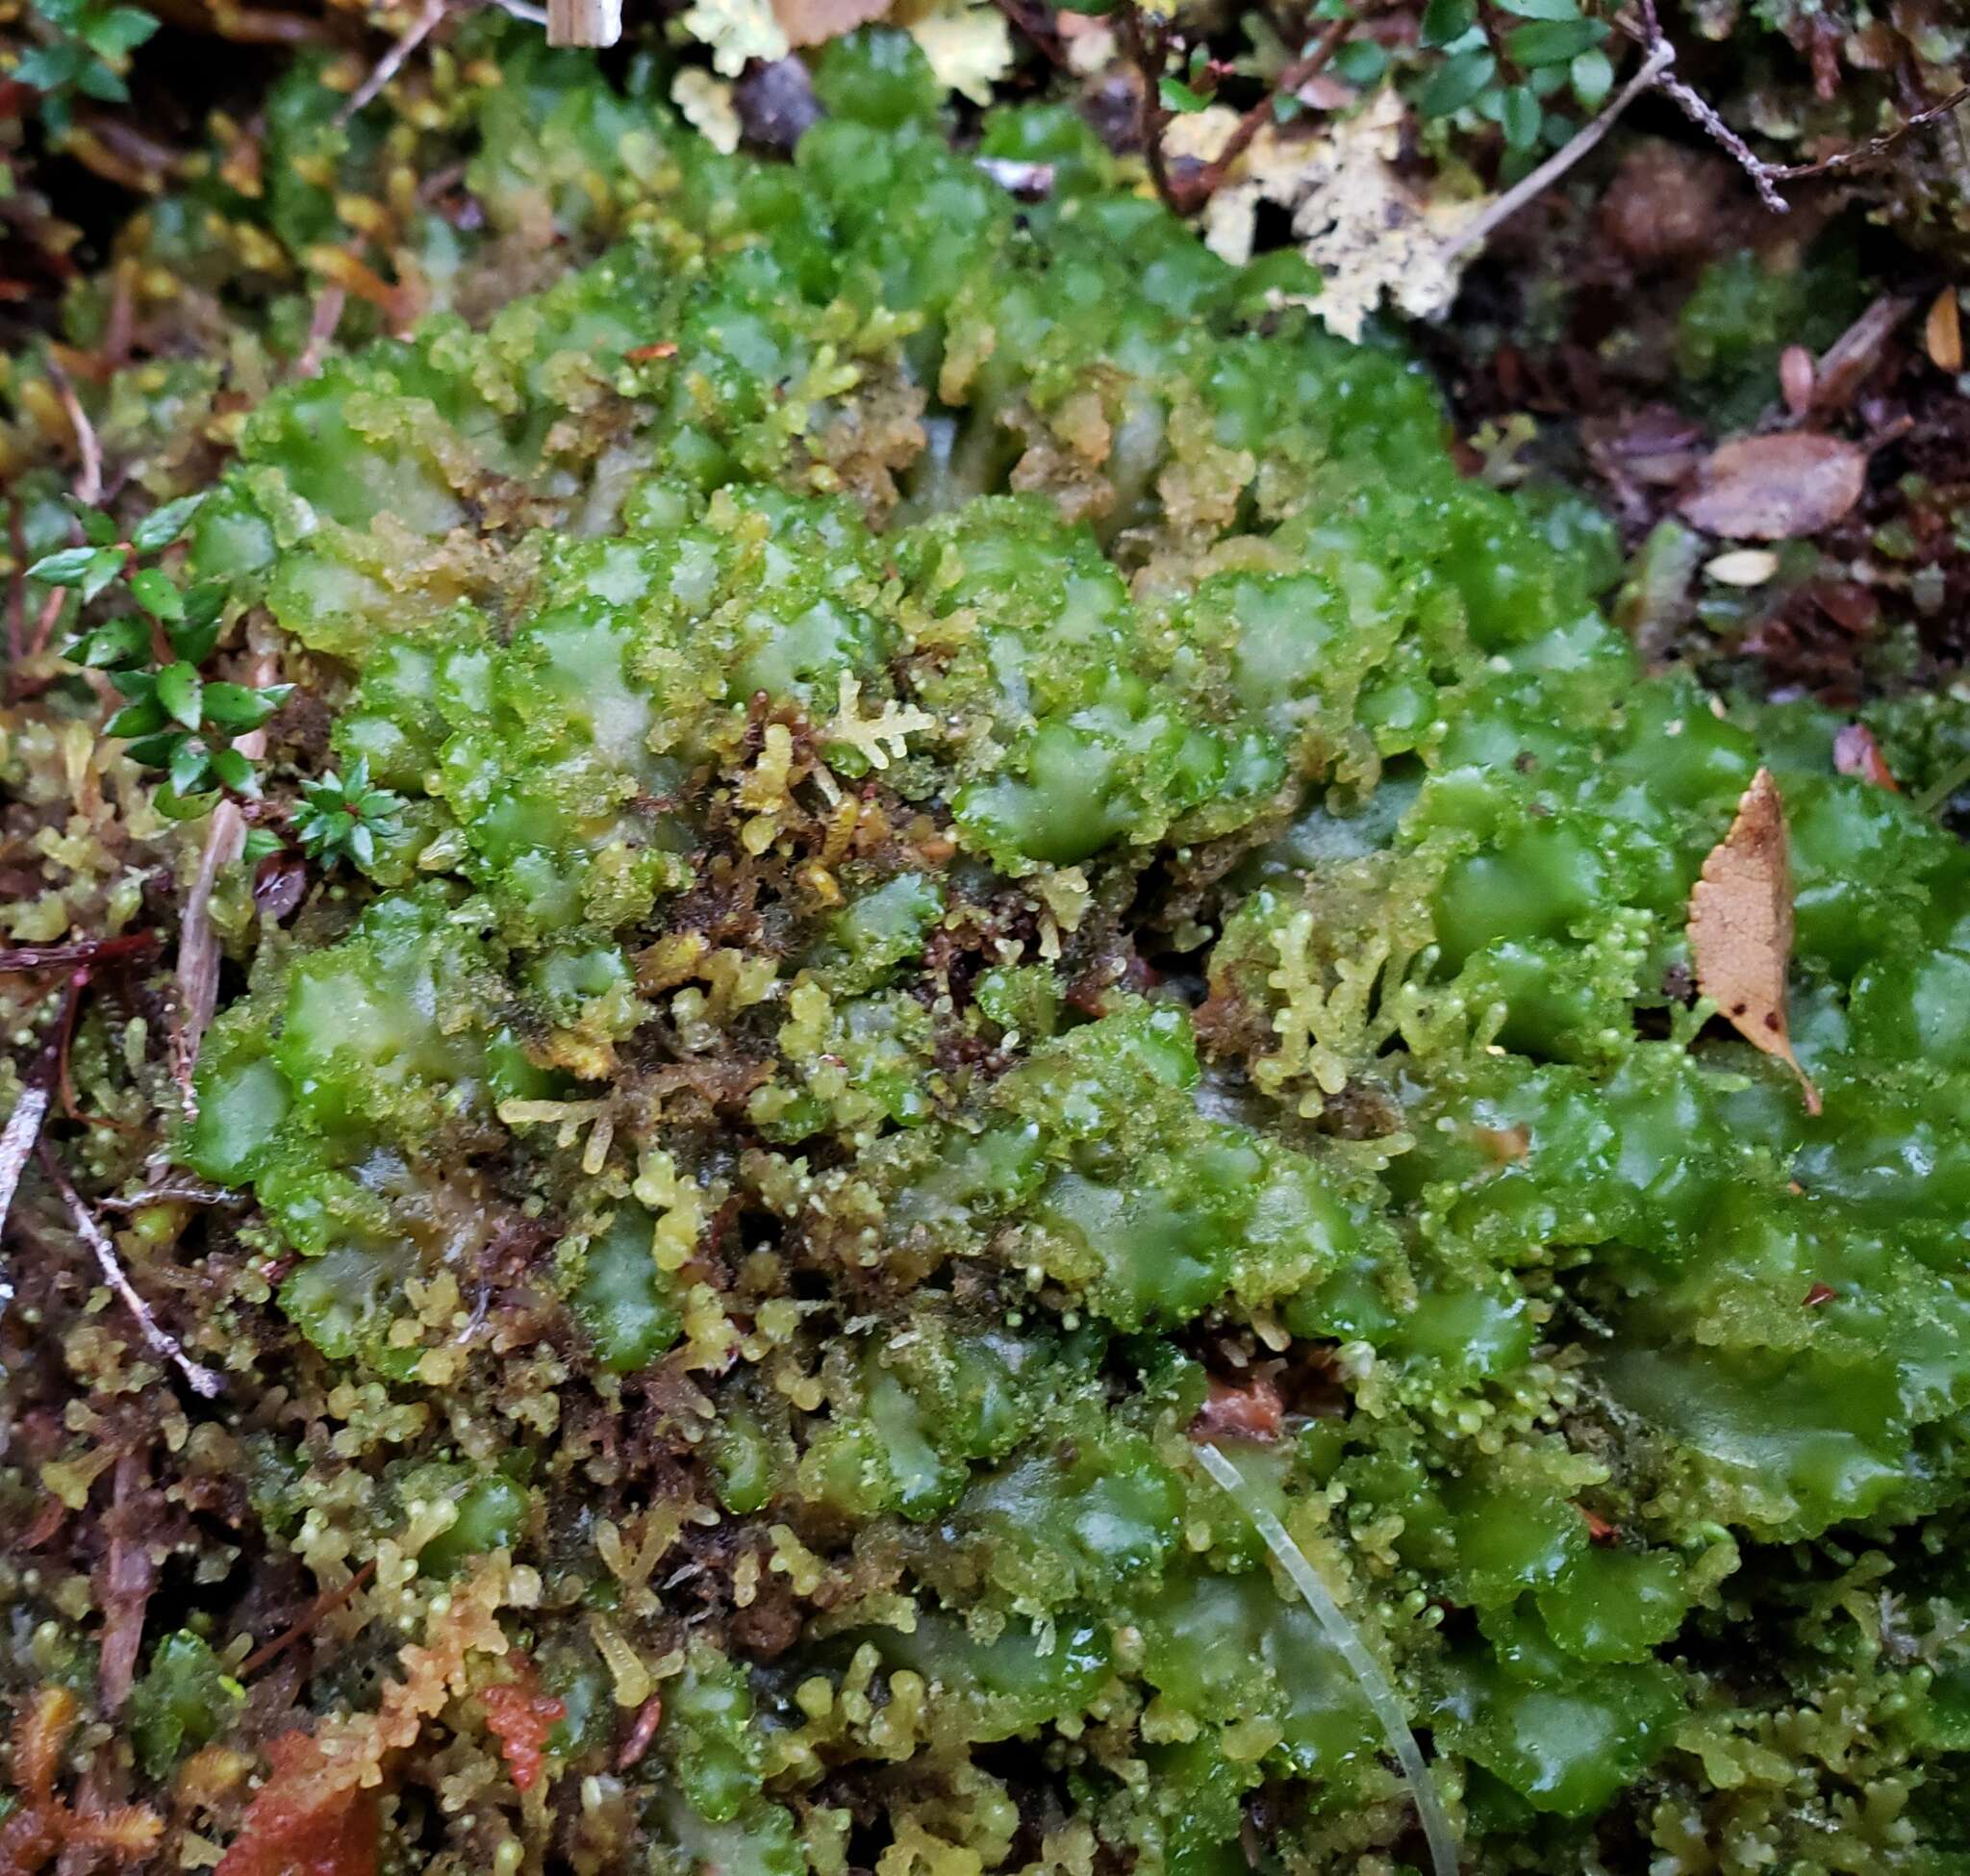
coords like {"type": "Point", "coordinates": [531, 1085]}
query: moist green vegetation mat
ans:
{"type": "Point", "coordinates": [1002, 872]}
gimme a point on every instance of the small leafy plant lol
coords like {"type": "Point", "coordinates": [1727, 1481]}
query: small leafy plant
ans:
{"type": "Point", "coordinates": [343, 818]}
{"type": "Point", "coordinates": [1517, 64]}
{"type": "Point", "coordinates": [176, 719]}
{"type": "Point", "coordinates": [84, 50]}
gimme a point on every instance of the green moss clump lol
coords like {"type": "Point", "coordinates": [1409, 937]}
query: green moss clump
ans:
{"type": "Point", "coordinates": [1004, 868]}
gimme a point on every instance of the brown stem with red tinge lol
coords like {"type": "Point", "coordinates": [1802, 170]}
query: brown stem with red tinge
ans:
{"type": "Point", "coordinates": [85, 951]}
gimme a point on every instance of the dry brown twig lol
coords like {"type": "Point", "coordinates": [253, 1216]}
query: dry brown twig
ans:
{"type": "Point", "coordinates": [326, 317]}
{"type": "Point", "coordinates": [1146, 48]}
{"type": "Point", "coordinates": [198, 945]}
{"type": "Point", "coordinates": [1653, 65]}
{"type": "Point", "coordinates": [391, 62]}
{"type": "Point", "coordinates": [583, 22]}
{"type": "Point", "coordinates": [202, 1379]}
{"type": "Point", "coordinates": [88, 478]}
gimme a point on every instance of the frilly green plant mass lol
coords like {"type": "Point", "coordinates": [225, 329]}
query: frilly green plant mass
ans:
{"type": "Point", "coordinates": [993, 842]}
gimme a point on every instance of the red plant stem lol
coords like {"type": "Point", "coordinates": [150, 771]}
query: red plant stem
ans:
{"type": "Point", "coordinates": [324, 1603]}
{"type": "Point", "coordinates": [86, 951]}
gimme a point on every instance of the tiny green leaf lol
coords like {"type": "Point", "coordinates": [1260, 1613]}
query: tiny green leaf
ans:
{"type": "Point", "coordinates": [141, 719]}
{"type": "Point", "coordinates": [174, 805]}
{"type": "Point", "coordinates": [261, 844]}
{"type": "Point", "coordinates": [1178, 96]}
{"type": "Point", "coordinates": [98, 529]}
{"type": "Point", "coordinates": [155, 593]}
{"type": "Point", "coordinates": [121, 642]}
{"type": "Point", "coordinates": [1553, 42]}
{"type": "Point", "coordinates": [163, 525]}
{"type": "Point", "coordinates": [97, 80]}
{"type": "Point", "coordinates": [104, 565]}
{"type": "Point", "coordinates": [181, 694]}
{"type": "Point", "coordinates": [67, 568]}
{"type": "Point", "coordinates": [235, 771]}
{"type": "Point", "coordinates": [194, 641]}
{"type": "Point", "coordinates": [189, 766]}
{"type": "Point", "coordinates": [156, 751]}
{"type": "Point", "coordinates": [1593, 76]}
{"type": "Point", "coordinates": [205, 602]}
{"type": "Point", "coordinates": [49, 67]}
{"type": "Point", "coordinates": [1447, 21]}
{"type": "Point", "coordinates": [232, 706]}
{"type": "Point", "coordinates": [1520, 114]}
{"type": "Point", "coordinates": [1542, 9]}
{"type": "Point", "coordinates": [1361, 62]}
{"type": "Point", "coordinates": [1457, 81]}
{"type": "Point", "coordinates": [119, 32]}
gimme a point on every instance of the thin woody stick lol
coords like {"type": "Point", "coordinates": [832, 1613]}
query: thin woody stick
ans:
{"type": "Point", "coordinates": [202, 1379]}
{"type": "Point", "coordinates": [88, 480]}
{"type": "Point", "coordinates": [583, 22]}
{"type": "Point", "coordinates": [391, 62]}
{"type": "Point", "coordinates": [1660, 55]}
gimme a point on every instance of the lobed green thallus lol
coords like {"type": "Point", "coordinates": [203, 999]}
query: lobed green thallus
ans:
{"type": "Point", "coordinates": [998, 846]}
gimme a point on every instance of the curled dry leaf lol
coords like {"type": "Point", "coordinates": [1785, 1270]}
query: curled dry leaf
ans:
{"type": "Point", "coordinates": [1776, 488]}
{"type": "Point", "coordinates": [1740, 926]}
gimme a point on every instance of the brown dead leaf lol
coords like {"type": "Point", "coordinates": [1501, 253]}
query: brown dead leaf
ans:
{"type": "Point", "coordinates": [1944, 332]}
{"type": "Point", "coordinates": [1776, 488]}
{"type": "Point", "coordinates": [814, 22]}
{"type": "Point", "coordinates": [1740, 926]}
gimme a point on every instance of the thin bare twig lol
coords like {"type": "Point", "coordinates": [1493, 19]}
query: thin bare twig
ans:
{"type": "Point", "coordinates": [202, 1380]}
{"type": "Point", "coordinates": [17, 596]}
{"type": "Point", "coordinates": [322, 322]}
{"type": "Point", "coordinates": [85, 951]}
{"type": "Point", "coordinates": [391, 62]}
{"type": "Point", "coordinates": [1701, 112]}
{"type": "Point", "coordinates": [18, 1143]}
{"type": "Point", "coordinates": [1146, 52]}
{"type": "Point", "coordinates": [583, 22]}
{"type": "Point", "coordinates": [1875, 147]}
{"type": "Point", "coordinates": [325, 1603]}
{"type": "Point", "coordinates": [23, 1131]}
{"type": "Point", "coordinates": [198, 945]}
{"type": "Point", "coordinates": [183, 1192]}
{"type": "Point", "coordinates": [1206, 185]}
{"type": "Point", "coordinates": [1656, 62]}
{"type": "Point", "coordinates": [1035, 24]}
{"type": "Point", "coordinates": [44, 625]}
{"type": "Point", "coordinates": [88, 480]}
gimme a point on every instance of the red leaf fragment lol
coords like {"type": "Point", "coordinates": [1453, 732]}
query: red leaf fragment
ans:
{"type": "Point", "coordinates": [1819, 1292]}
{"type": "Point", "coordinates": [649, 1716]}
{"type": "Point", "coordinates": [303, 1824]}
{"type": "Point", "coordinates": [1776, 488]}
{"type": "Point", "coordinates": [1856, 752]}
{"type": "Point", "coordinates": [1251, 1411]}
{"type": "Point", "coordinates": [520, 1715]}
{"type": "Point", "coordinates": [1598, 1530]}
